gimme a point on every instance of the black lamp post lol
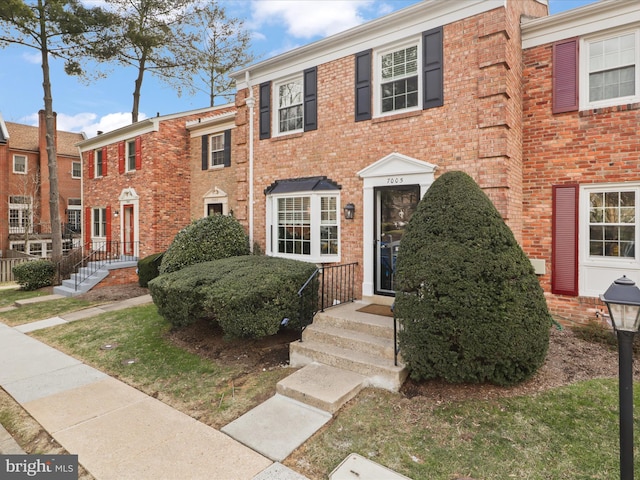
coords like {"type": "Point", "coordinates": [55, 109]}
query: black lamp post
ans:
{"type": "Point", "coordinates": [623, 301]}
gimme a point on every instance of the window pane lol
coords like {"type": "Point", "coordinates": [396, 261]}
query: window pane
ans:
{"type": "Point", "coordinates": [294, 225]}
{"type": "Point", "coordinates": [615, 213]}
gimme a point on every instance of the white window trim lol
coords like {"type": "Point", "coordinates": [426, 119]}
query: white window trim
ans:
{"type": "Point", "coordinates": [215, 195]}
{"type": "Point", "coordinates": [597, 273]}
{"type": "Point", "coordinates": [127, 153]}
{"type": "Point", "coordinates": [585, 104]}
{"type": "Point", "coordinates": [272, 226]}
{"type": "Point", "coordinates": [97, 153]}
{"type": "Point", "coordinates": [276, 104]}
{"type": "Point", "coordinates": [210, 152]}
{"type": "Point", "coordinates": [102, 237]}
{"type": "Point", "coordinates": [79, 169]}
{"type": "Point", "coordinates": [25, 165]}
{"type": "Point", "coordinates": [24, 212]}
{"type": "Point", "coordinates": [377, 76]}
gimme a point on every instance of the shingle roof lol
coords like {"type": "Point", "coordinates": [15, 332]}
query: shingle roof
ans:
{"type": "Point", "coordinates": [25, 137]}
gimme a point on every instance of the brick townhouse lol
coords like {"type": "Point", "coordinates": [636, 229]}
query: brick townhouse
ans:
{"type": "Point", "coordinates": [581, 177]}
{"type": "Point", "coordinates": [25, 219]}
{"type": "Point", "coordinates": [360, 123]}
{"type": "Point", "coordinates": [139, 184]}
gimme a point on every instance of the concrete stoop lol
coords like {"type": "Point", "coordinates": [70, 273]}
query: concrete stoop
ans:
{"type": "Point", "coordinates": [90, 280]}
{"type": "Point", "coordinates": [354, 341]}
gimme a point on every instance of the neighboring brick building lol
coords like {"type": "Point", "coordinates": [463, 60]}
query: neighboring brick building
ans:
{"type": "Point", "coordinates": [137, 188]}
{"type": "Point", "coordinates": [581, 151]}
{"type": "Point", "coordinates": [25, 219]}
{"type": "Point", "coordinates": [370, 117]}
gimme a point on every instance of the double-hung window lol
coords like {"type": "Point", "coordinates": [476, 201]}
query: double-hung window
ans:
{"type": "Point", "coordinates": [76, 170]}
{"type": "Point", "coordinates": [99, 163]}
{"type": "Point", "coordinates": [19, 164]}
{"type": "Point", "coordinates": [99, 223]}
{"type": "Point", "coordinates": [609, 69]}
{"type": "Point", "coordinates": [131, 156]}
{"type": "Point", "coordinates": [399, 77]}
{"type": "Point", "coordinates": [610, 230]}
{"type": "Point", "coordinates": [216, 153]}
{"type": "Point", "coordinates": [20, 214]}
{"type": "Point", "coordinates": [289, 100]}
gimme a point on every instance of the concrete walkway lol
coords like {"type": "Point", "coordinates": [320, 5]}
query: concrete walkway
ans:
{"type": "Point", "coordinates": [117, 431]}
{"type": "Point", "coordinates": [121, 433]}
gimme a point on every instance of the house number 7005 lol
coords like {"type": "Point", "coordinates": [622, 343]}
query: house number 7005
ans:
{"type": "Point", "coordinates": [394, 180]}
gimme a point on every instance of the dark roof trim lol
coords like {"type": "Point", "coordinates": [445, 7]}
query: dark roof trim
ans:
{"type": "Point", "coordinates": [308, 184]}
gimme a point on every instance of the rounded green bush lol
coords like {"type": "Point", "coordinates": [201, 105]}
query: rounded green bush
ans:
{"type": "Point", "coordinates": [148, 268]}
{"type": "Point", "coordinates": [248, 296]}
{"type": "Point", "coordinates": [468, 300]}
{"type": "Point", "coordinates": [204, 240]}
{"type": "Point", "coordinates": [34, 274]}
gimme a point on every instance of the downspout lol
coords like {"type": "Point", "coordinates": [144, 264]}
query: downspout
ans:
{"type": "Point", "coordinates": [250, 101]}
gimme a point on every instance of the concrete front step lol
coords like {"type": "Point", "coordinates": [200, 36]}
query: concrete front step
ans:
{"type": "Point", "coordinates": [347, 316]}
{"type": "Point", "coordinates": [381, 373]}
{"type": "Point", "coordinates": [322, 386]}
{"type": "Point", "coordinates": [350, 339]}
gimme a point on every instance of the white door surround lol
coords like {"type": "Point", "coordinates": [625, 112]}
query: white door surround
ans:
{"type": "Point", "coordinates": [393, 170]}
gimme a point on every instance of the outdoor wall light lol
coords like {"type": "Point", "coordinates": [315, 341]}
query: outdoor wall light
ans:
{"type": "Point", "coordinates": [349, 211]}
{"type": "Point", "coordinates": [623, 302]}
{"type": "Point", "coordinates": [116, 213]}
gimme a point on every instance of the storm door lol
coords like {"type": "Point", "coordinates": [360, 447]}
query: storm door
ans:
{"type": "Point", "coordinates": [128, 225]}
{"type": "Point", "coordinates": [394, 206]}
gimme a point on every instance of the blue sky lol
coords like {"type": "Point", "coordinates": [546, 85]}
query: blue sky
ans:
{"type": "Point", "coordinates": [276, 26]}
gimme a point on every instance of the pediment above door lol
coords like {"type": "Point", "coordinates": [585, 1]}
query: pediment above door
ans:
{"type": "Point", "coordinates": [397, 164]}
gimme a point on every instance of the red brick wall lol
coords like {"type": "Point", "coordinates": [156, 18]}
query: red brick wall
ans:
{"type": "Point", "coordinates": [162, 184]}
{"type": "Point", "coordinates": [593, 146]}
{"type": "Point", "coordinates": [478, 129]}
{"type": "Point", "coordinates": [119, 276]}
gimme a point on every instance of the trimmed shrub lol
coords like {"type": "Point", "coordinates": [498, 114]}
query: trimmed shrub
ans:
{"type": "Point", "coordinates": [467, 297]}
{"type": "Point", "coordinates": [248, 296]}
{"type": "Point", "coordinates": [204, 240]}
{"type": "Point", "coordinates": [148, 268]}
{"type": "Point", "coordinates": [34, 274]}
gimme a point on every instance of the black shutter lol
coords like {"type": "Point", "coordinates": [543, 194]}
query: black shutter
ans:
{"type": "Point", "coordinates": [227, 148]}
{"type": "Point", "coordinates": [205, 152]}
{"type": "Point", "coordinates": [310, 86]}
{"type": "Point", "coordinates": [363, 86]}
{"type": "Point", "coordinates": [432, 69]}
{"type": "Point", "coordinates": [265, 110]}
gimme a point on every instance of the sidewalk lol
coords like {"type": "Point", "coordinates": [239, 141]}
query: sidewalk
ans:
{"type": "Point", "coordinates": [117, 431]}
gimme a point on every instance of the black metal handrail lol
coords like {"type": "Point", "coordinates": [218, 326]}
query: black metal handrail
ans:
{"type": "Point", "coordinates": [328, 286]}
{"type": "Point", "coordinates": [101, 254]}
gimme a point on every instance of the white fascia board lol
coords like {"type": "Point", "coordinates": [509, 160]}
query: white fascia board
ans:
{"type": "Point", "coordinates": [218, 123]}
{"type": "Point", "coordinates": [399, 25]}
{"type": "Point", "coordinates": [139, 128]}
{"type": "Point", "coordinates": [581, 21]}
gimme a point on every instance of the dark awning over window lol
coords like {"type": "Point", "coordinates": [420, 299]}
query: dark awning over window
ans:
{"type": "Point", "coordinates": [308, 184]}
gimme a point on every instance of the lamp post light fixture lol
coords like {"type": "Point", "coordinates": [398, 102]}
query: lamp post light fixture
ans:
{"type": "Point", "coordinates": [623, 302]}
{"type": "Point", "coordinates": [349, 211]}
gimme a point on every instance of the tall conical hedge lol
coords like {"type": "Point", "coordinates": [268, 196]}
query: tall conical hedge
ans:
{"type": "Point", "coordinates": [468, 300]}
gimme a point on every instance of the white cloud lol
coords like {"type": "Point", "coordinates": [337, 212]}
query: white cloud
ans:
{"type": "Point", "coordinates": [309, 18]}
{"type": "Point", "coordinates": [33, 57]}
{"type": "Point", "coordinates": [86, 122]}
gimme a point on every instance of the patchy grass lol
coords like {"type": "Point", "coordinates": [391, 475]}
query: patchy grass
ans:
{"type": "Point", "coordinates": [208, 391]}
{"type": "Point", "coordinates": [10, 295]}
{"type": "Point", "coordinates": [569, 432]}
{"type": "Point", "coordinates": [39, 311]}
